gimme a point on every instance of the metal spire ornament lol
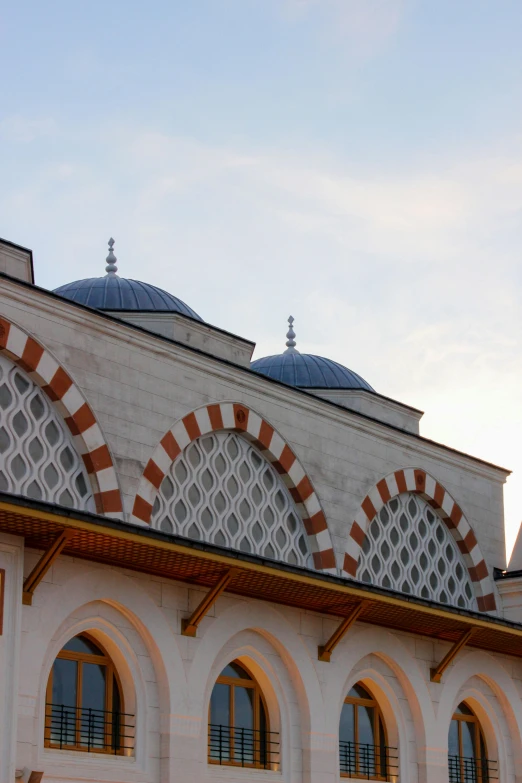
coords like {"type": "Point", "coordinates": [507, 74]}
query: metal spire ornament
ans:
{"type": "Point", "coordinates": [290, 343]}
{"type": "Point", "coordinates": [111, 259]}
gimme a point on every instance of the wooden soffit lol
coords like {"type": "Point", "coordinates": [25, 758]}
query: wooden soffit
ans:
{"type": "Point", "coordinates": [141, 549]}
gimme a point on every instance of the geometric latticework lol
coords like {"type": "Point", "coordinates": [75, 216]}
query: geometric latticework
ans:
{"type": "Point", "coordinates": [221, 490]}
{"type": "Point", "coordinates": [38, 457]}
{"type": "Point", "coordinates": [408, 548]}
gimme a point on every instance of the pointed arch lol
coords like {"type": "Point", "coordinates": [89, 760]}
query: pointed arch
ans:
{"type": "Point", "coordinates": [238, 418]}
{"type": "Point", "coordinates": [42, 367]}
{"type": "Point", "coordinates": [419, 482]}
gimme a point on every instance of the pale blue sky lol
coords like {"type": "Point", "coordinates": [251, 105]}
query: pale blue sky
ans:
{"type": "Point", "coordinates": [357, 163]}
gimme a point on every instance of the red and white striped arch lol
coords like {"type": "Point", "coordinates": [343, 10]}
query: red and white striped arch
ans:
{"type": "Point", "coordinates": [237, 417]}
{"type": "Point", "coordinates": [421, 483]}
{"type": "Point", "coordinates": [69, 401]}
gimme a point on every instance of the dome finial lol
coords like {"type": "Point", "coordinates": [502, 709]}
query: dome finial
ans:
{"type": "Point", "coordinates": [290, 343]}
{"type": "Point", "coordinates": [111, 259]}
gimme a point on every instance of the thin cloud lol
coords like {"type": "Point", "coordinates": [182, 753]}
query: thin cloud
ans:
{"type": "Point", "coordinates": [408, 280]}
{"type": "Point", "coordinates": [365, 26]}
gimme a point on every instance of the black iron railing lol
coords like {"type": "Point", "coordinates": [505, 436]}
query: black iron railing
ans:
{"type": "Point", "coordinates": [464, 769]}
{"type": "Point", "coordinates": [82, 728]}
{"type": "Point", "coordinates": [373, 762]}
{"type": "Point", "coordinates": [242, 747]}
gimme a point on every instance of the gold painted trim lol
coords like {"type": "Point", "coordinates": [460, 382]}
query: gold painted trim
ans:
{"type": "Point", "coordinates": [351, 590]}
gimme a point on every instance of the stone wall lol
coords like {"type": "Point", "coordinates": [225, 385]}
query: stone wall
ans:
{"type": "Point", "coordinates": [167, 680]}
{"type": "Point", "coordinates": [138, 385]}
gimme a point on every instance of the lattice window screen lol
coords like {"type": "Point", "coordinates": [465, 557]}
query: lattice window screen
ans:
{"type": "Point", "coordinates": [38, 457]}
{"type": "Point", "coordinates": [221, 490]}
{"type": "Point", "coordinates": [408, 548]}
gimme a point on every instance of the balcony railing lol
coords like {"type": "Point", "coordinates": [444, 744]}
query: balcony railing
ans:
{"type": "Point", "coordinates": [242, 747]}
{"type": "Point", "coordinates": [373, 762]}
{"type": "Point", "coordinates": [470, 770]}
{"type": "Point", "coordinates": [85, 729]}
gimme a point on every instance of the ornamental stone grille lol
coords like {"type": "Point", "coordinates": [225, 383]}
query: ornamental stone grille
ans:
{"type": "Point", "coordinates": [37, 453]}
{"type": "Point", "coordinates": [221, 490]}
{"type": "Point", "coordinates": [409, 549]}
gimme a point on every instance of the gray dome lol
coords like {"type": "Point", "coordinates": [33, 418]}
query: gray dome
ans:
{"type": "Point", "coordinates": [307, 371]}
{"type": "Point", "coordinates": [117, 293]}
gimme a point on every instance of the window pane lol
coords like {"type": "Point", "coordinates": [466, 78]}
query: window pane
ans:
{"type": "Point", "coordinates": [65, 675]}
{"type": "Point", "coordinates": [463, 709]}
{"type": "Point", "coordinates": [468, 739]}
{"type": "Point", "coordinates": [453, 739]}
{"type": "Point", "coordinates": [235, 670]}
{"type": "Point", "coordinates": [81, 644]}
{"type": "Point", "coordinates": [366, 739]}
{"type": "Point", "coordinates": [63, 710]}
{"type": "Point", "coordinates": [244, 725]}
{"type": "Point", "coordinates": [366, 718]}
{"type": "Point", "coordinates": [219, 729]}
{"type": "Point", "coordinates": [93, 718]}
{"type": "Point", "coordinates": [358, 692]}
{"type": "Point", "coordinates": [347, 756]}
{"type": "Point", "coordinates": [347, 724]}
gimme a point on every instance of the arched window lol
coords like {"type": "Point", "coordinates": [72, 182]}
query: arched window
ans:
{"type": "Point", "coordinates": [363, 750]}
{"type": "Point", "coordinates": [238, 731]}
{"type": "Point", "coordinates": [408, 548]}
{"type": "Point", "coordinates": [221, 489]}
{"type": "Point", "coordinates": [467, 753]}
{"type": "Point", "coordinates": [37, 452]}
{"type": "Point", "coordinates": [84, 704]}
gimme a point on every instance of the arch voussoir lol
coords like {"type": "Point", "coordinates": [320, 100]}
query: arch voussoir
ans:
{"type": "Point", "coordinates": [239, 418]}
{"type": "Point", "coordinates": [47, 372]}
{"type": "Point", "coordinates": [420, 482]}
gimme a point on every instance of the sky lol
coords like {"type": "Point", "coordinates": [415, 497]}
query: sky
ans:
{"type": "Point", "coordinates": [354, 163]}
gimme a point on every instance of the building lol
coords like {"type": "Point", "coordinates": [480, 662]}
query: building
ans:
{"type": "Point", "coordinates": [213, 570]}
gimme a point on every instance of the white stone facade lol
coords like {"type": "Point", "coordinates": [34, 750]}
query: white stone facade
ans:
{"type": "Point", "coordinates": [138, 385]}
{"type": "Point", "coordinates": [167, 680]}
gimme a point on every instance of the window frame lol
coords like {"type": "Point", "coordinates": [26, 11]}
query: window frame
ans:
{"type": "Point", "coordinates": [480, 741]}
{"type": "Point", "coordinates": [378, 722]}
{"type": "Point", "coordinates": [112, 679]}
{"type": "Point", "coordinates": [259, 700]}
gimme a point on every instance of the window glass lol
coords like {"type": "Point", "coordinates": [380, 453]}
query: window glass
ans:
{"type": "Point", "coordinates": [235, 670]}
{"type": "Point", "coordinates": [347, 725]}
{"type": "Point", "coordinates": [463, 709]}
{"type": "Point", "coordinates": [220, 705]}
{"type": "Point", "coordinates": [358, 692]}
{"type": "Point", "coordinates": [62, 713]}
{"type": "Point", "coordinates": [366, 718]}
{"type": "Point", "coordinates": [244, 708]}
{"type": "Point", "coordinates": [238, 727]}
{"type": "Point", "coordinates": [93, 724]}
{"type": "Point", "coordinates": [453, 739]}
{"type": "Point", "coordinates": [244, 724]}
{"type": "Point", "coordinates": [85, 703]}
{"type": "Point", "coordinates": [81, 644]}
{"type": "Point", "coordinates": [65, 678]}
{"type": "Point", "coordinates": [468, 738]}
{"type": "Point", "coordinates": [93, 686]}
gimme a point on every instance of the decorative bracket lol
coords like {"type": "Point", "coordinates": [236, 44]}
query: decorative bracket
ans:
{"type": "Point", "coordinates": [436, 674]}
{"type": "Point", "coordinates": [190, 626]}
{"type": "Point", "coordinates": [324, 652]}
{"type": "Point", "coordinates": [44, 564]}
